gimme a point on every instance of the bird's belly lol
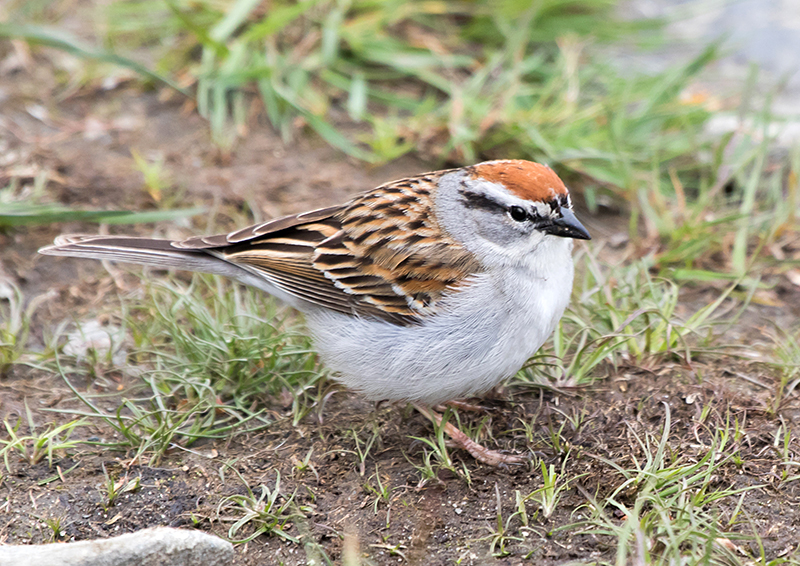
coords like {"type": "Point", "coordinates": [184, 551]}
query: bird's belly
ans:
{"type": "Point", "coordinates": [474, 343]}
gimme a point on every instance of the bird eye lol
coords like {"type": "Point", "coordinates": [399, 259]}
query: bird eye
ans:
{"type": "Point", "coordinates": [518, 213]}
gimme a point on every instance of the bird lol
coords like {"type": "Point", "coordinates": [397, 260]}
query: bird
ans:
{"type": "Point", "coordinates": [425, 290]}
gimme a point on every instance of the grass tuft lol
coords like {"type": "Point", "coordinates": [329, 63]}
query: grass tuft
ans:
{"type": "Point", "coordinates": [623, 315]}
{"type": "Point", "coordinates": [37, 445]}
{"type": "Point", "coordinates": [267, 513]}
{"type": "Point", "coordinates": [212, 359]}
{"type": "Point", "coordinates": [671, 506]}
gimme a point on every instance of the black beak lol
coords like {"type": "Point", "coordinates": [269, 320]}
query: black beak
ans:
{"type": "Point", "coordinates": [567, 227]}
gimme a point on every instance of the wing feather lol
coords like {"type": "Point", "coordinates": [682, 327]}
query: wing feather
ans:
{"type": "Point", "coordinates": [382, 255]}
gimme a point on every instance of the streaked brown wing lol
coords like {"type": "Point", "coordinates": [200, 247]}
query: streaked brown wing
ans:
{"type": "Point", "coordinates": [391, 251]}
{"type": "Point", "coordinates": [282, 251]}
{"type": "Point", "coordinates": [382, 255]}
{"type": "Point", "coordinates": [285, 258]}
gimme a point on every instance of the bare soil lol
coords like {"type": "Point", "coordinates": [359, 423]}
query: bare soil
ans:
{"type": "Point", "coordinates": [84, 144]}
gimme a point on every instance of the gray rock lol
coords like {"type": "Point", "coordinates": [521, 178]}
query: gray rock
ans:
{"type": "Point", "coordinates": [159, 546]}
{"type": "Point", "coordinates": [763, 33]}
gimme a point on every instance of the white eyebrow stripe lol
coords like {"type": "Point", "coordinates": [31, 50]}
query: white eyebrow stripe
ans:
{"type": "Point", "coordinates": [498, 193]}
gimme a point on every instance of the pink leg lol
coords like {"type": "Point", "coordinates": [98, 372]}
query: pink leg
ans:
{"type": "Point", "coordinates": [479, 452]}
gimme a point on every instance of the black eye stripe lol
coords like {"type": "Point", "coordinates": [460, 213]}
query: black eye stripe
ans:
{"type": "Point", "coordinates": [475, 200]}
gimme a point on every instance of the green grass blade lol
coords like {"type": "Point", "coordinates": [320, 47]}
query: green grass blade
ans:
{"type": "Point", "coordinates": [235, 17]}
{"type": "Point", "coordinates": [16, 214]}
{"type": "Point", "coordinates": [277, 19]}
{"type": "Point", "coordinates": [50, 37]}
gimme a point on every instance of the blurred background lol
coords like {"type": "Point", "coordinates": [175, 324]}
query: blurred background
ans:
{"type": "Point", "coordinates": [653, 107]}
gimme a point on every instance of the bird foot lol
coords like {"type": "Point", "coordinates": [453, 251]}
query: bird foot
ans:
{"type": "Point", "coordinates": [478, 451]}
{"type": "Point", "coordinates": [463, 406]}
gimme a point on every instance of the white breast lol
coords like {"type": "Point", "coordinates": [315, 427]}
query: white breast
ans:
{"type": "Point", "coordinates": [484, 333]}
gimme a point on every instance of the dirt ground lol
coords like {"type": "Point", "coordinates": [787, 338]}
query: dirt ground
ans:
{"type": "Point", "coordinates": [84, 144]}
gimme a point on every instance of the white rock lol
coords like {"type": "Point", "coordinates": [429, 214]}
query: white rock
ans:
{"type": "Point", "coordinates": [159, 546]}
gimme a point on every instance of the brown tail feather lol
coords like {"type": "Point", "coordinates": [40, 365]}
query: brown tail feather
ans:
{"type": "Point", "coordinates": [143, 251]}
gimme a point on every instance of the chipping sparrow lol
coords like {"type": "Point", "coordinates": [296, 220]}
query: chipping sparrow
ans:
{"type": "Point", "coordinates": [425, 289]}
